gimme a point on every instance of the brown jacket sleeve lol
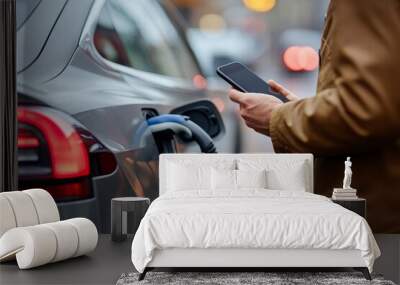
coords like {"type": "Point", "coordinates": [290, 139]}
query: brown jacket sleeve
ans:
{"type": "Point", "coordinates": [358, 106]}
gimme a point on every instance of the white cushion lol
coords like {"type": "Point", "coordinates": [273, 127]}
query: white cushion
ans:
{"type": "Point", "coordinates": [87, 234]}
{"type": "Point", "coordinates": [45, 206]}
{"type": "Point", "coordinates": [243, 161]}
{"type": "Point", "coordinates": [67, 239]}
{"type": "Point", "coordinates": [180, 174]}
{"type": "Point", "coordinates": [223, 179]}
{"type": "Point", "coordinates": [251, 178]}
{"type": "Point", "coordinates": [182, 177]}
{"type": "Point", "coordinates": [281, 174]}
{"type": "Point", "coordinates": [26, 208]}
{"type": "Point", "coordinates": [7, 218]}
{"type": "Point", "coordinates": [293, 181]}
{"type": "Point", "coordinates": [40, 244]}
{"type": "Point", "coordinates": [23, 208]}
{"type": "Point", "coordinates": [34, 244]}
{"type": "Point", "coordinates": [231, 180]}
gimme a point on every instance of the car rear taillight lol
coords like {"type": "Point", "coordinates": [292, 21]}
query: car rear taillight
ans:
{"type": "Point", "coordinates": [58, 154]}
{"type": "Point", "coordinates": [104, 163]}
{"type": "Point", "coordinates": [27, 140]}
{"type": "Point", "coordinates": [70, 190]}
{"type": "Point", "coordinates": [29, 145]}
{"type": "Point", "coordinates": [68, 155]}
{"type": "Point", "coordinates": [52, 154]}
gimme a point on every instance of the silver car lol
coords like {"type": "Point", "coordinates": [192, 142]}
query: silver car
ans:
{"type": "Point", "coordinates": [90, 72]}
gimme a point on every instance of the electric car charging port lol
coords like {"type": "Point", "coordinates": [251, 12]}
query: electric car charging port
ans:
{"type": "Point", "coordinates": [149, 113]}
{"type": "Point", "coordinates": [198, 121]}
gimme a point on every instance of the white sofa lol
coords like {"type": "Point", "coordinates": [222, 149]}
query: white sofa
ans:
{"type": "Point", "coordinates": [31, 231]}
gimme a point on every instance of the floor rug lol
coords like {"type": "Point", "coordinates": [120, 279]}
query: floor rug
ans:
{"type": "Point", "coordinates": [243, 278]}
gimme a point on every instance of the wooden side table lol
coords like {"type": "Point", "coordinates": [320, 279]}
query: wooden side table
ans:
{"type": "Point", "coordinates": [124, 209]}
{"type": "Point", "coordinates": [358, 205]}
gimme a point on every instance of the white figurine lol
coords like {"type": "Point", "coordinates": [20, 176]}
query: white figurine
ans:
{"type": "Point", "coordinates": [347, 174]}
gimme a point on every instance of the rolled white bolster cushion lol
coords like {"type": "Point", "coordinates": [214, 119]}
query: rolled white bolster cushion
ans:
{"type": "Point", "coordinates": [37, 245]}
{"type": "Point", "coordinates": [87, 235]}
{"type": "Point", "coordinates": [23, 208]}
{"type": "Point", "coordinates": [45, 205]}
{"type": "Point", "coordinates": [7, 218]}
{"type": "Point", "coordinates": [33, 246]}
{"type": "Point", "coordinates": [67, 240]}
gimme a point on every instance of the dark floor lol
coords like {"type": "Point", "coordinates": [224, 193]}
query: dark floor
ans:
{"type": "Point", "coordinates": [110, 259]}
{"type": "Point", "coordinates": [103, 266]}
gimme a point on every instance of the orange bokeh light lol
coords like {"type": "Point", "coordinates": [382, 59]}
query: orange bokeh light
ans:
{"type": "Point", "coordinates": [300, 58]}
{"type": "Point", "coordinates": [199, 81]}
{"type": "Point", "coordinates": [260, 5]}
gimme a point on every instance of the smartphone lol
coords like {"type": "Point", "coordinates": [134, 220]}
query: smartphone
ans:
{"type": "Point", "coordinates": [243, 79]}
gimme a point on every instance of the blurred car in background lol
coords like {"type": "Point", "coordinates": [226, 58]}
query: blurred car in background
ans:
{"type": "Point", "coordinates": [90, 72]}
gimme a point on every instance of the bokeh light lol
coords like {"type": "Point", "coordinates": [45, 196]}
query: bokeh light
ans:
{"type": "Point", "coordinates": [212, 22]}
{"type": "Point", "coordinates": [260, 5]}
{"type": "Point", "coordinates": [300, 58]}
{"type": "Point", "coordinates": [199, 81]}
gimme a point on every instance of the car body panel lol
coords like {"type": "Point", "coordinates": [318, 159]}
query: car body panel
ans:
{"type": "Point", "coordinates": [55, 51]}
{"type": "Point", "coordinates": [60, 67]}
{"type": "Point", "coordinates": [36, 21]}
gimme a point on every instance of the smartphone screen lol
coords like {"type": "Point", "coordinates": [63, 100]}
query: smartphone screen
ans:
{"type": "Point", "coordinates": [242, 79]}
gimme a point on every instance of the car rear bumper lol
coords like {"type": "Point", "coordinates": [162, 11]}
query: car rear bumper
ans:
{"type": "Point", "coordinates": [83, 208]}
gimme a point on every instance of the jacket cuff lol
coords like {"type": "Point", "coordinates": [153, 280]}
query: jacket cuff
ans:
{"type": "Point", "coordinates": [275, 124]}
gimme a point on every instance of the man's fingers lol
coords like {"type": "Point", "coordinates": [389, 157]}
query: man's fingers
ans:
{"type": "Point", "coordinates": [279, 88]}
{"type": "Point", "coordinates": [282, 90]}
{"type": "Point", "coordinates": [236, 96]}
{"type": "Point", "coordinates": [274, 85]}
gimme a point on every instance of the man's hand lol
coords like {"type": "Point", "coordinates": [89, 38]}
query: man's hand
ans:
{"type": "Point", "coordinates": [256, 108]}
{"type": "Point", "coordinates": [282, 90]}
